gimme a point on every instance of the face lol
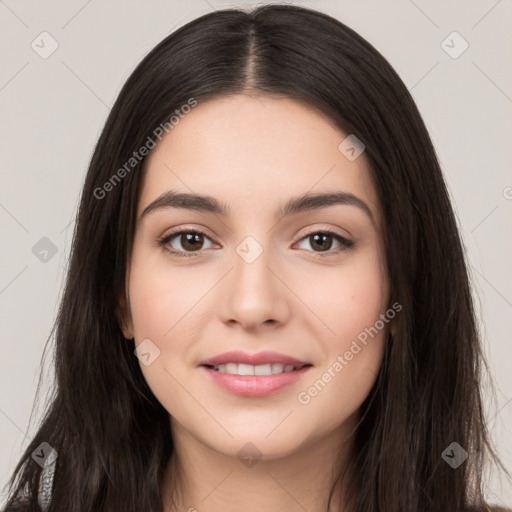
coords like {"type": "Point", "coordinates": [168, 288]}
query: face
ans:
{"type": "Point", "coordinates": [306, 283]}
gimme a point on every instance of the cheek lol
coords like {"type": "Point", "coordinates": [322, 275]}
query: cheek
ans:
{"type": "Point", "coordinates": [161, 295]}
{"type": "Point", "coordinates": [348, 300]}
{"type": "Point", "coordinates": [161, 309]}
{"type": "Point", "coordinates": [165, 304]}
{"type": "Point", "coordinates": [352, 335]}
{"type": "Point", "coordinates": [153, 309]}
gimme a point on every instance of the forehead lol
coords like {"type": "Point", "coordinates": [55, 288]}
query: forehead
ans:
{"type": "Point", "coordinates": [254, 152]}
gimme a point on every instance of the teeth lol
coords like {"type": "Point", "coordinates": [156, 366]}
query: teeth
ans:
{"type": "Point", "coordinates": [245, 369]}
{"type": "Point", "coordinates": [229, 368]}
{"type": "Point", "coordinates": [249, 369]}
{"type": "Point", "coordinates": [263, 369]}
{"type": "Point", "coordinates": [277, 368]}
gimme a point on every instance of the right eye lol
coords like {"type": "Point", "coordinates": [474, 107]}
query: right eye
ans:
{"type": "Point", "coordinates": [190, 240]}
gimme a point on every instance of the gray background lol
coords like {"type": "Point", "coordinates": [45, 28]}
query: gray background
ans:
{"type": "Point", "coordinates": [53, 109]}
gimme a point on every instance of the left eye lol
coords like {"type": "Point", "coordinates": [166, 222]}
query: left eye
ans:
{"type": "Point", "coordinates": [191, 241]}
{"type": "Point", "coordinates": [323, 240]}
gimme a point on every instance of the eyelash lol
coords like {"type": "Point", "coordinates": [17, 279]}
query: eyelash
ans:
{"type": "Point", "coordinates": [345, 243]}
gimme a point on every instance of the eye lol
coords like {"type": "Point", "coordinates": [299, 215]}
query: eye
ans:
{"type": "Point", "coordinates": [190, 240]}
{"type": "Point", "coordinates": [323, 240]}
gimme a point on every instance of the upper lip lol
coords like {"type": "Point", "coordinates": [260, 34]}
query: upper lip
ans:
{"type": "Point", "coordinates": [266, 357]}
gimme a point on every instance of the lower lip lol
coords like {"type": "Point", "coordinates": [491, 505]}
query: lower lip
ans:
{"type": "Point", "coordinates": [255, 385]}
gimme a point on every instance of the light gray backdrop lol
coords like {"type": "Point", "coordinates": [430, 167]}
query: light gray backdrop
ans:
{"type": "Point", "coordinates": [63, 64]}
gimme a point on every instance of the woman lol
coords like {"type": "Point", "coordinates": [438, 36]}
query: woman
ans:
{"type": "Point", "coordinates": [267, 303]}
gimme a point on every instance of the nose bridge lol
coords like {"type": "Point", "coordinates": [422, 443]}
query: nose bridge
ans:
{"type": "Point", "coordinates": [252, 275]}
{"type": "Point", "coordinates": [253, 294]}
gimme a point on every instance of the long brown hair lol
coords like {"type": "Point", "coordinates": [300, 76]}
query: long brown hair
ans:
{"type": "Point", "coordinates": [111, 434]}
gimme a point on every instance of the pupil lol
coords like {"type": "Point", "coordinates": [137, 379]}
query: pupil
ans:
{"type": "Point", "coordinates": [192, 239]}
{"type": "Point", "coordinates": [323, 236]}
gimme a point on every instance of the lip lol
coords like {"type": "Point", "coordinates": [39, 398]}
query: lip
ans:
{"type": "Point", "coordinates": [237, 356]}
{"type": "Point", "coordinates": [254, 385]}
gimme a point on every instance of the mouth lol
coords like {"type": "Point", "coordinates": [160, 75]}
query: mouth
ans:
{"type": "Point", "coordinates": [253, 375]}
{"type": "Point", "coordinates": [254, 381]}
{"type": "Point", "coordinates": [243, 369]}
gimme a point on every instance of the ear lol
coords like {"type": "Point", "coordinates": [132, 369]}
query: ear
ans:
{"type": "Point", "coordinates": [124, 317]}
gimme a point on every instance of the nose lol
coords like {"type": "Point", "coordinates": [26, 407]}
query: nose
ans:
{"type": "Point", "coordinates": [253, 294]}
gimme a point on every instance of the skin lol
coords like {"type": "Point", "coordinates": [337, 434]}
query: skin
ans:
{"type": "Point", "coordinates": [254, 153]}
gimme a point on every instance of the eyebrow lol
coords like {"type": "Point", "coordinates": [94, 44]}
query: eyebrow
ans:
{"type": "Point", "coordinates": [306, 202]}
